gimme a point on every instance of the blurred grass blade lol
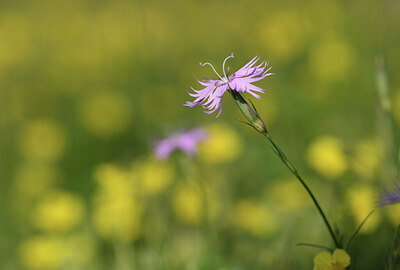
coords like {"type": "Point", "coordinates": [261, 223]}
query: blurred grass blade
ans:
{"type": "Point", "coordinates": [314, 246]}
{"type": "Point", "coordinates": [347, 244]}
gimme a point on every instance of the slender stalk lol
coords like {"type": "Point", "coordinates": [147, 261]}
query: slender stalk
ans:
{"type": "Point", "coordinates": [294, 171]}
{"type": "Point", "coordinates": [256, 122]}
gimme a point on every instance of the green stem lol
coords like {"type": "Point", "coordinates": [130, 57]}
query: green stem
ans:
{"type": "Point", "coordinates": [255, 121]}
{"type": "Point", "coordinates": [294, 171]}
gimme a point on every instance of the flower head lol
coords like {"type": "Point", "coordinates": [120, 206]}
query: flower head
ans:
{"type": "Point", "coordinates": [339, 260]}
{"type": "Point", "coordinates": [240, 81]}
{"type": "Point", "coordinates": [185, 141]}
{"type": "Point", "coordinates": [390, 197]}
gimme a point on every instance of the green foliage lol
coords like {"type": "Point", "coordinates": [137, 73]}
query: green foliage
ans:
{"type": "Point", "coordinates": [86, 86]}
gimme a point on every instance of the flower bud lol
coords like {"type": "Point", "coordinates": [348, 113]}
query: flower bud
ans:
{"type": "Point", "coordinates": [250, 113]}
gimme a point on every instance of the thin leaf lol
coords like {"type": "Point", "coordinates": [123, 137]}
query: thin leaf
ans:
{"type": "Point", "coordinates": [357, 230]}
{"type": "Point", "coordinates": [244, 122]}
{"type": "Point", "coordinates": [315, 246]}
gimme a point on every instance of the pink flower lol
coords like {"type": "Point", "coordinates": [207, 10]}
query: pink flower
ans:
{"type": "Point", "coordinates": [240, 81]}
{"type": "Point", "coordinates": [186, 141]}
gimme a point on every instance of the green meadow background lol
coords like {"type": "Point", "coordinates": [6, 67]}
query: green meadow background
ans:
{"type": "Point", "coordinates": [87, 86]}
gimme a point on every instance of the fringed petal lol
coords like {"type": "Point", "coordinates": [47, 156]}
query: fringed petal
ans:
{"type": "Point", "coordinates": [241, 81]}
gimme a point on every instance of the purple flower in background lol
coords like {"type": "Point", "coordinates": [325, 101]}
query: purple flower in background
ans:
{"type": "Point", "coordinates": [185, 141]}
{"type": "Point", "coordinates": [240, 81]}
{"type": "Point", "coordinates": [390, 197]}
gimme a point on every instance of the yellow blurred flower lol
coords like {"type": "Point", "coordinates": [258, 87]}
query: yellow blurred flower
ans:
{"type": "Point", "coordinates": [188, 204]}
{"type": "Point", "coordinates": [42, 253]}
{"type": "Point", "coordinates": [393, 212]}
{"type": "Point", "coordinates": [339, 260]}
{"type": "Point", "coordinates": [326, 156]}
{"type": "Point", "coordinates": [362, 201]}
{"type": "Point", "coordinates": [332, 60]}
{"type": "Point", "coordinates": [42, 140]}
{"type": "Point", "coordinates": [114, 180]}
{"type": "Point", "coordinates": [49, 252]}
{"type": "Point", "coordinates": [254, 218]}
{"type": "Point", "coordinates": [117, 213]}
{"type": "Point", "coordinates": [59, 211]}
{"type": "Point", "coordinates": [117, 217]}
{"type": "Point", "coordinates": [153, 176]}
{"type": "Point", "coordinates": [367, 158]}
{"type": "Point", "coordinates": [32, 179]}
{"type": "Point", "coordinates": [106, 113]}
{"type": "Point", "coordinates": [396, 106]}
{"type": "Point", "coordinates": [283, 34]}
{"type": "Point", "coordinates": [223, 144]}
{"type": "Point", "coordinates": [288, 194]}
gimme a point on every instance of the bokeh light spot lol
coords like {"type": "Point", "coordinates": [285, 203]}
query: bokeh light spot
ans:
{"type": "Point", "coordinates": [41, 253]}
{"type": "Point", "coordinates": [42, 140]}
{"type": "Point", "coordinates": [326, 156]}
{"type": "Point", "coordinates": [187, 204]}
{"type": "Point", "coordinates": [222, 145]}
{"type": "Point", "coordinates": [254, 218]}
{"type": "Point", "coordinates": [105, 114]}
{"type": "Point", "coordinates": [59, 211]}
{"type": "Point", "coordinates": [362, 201]}
{"type": "Point", "coordinates": [332, 60]}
